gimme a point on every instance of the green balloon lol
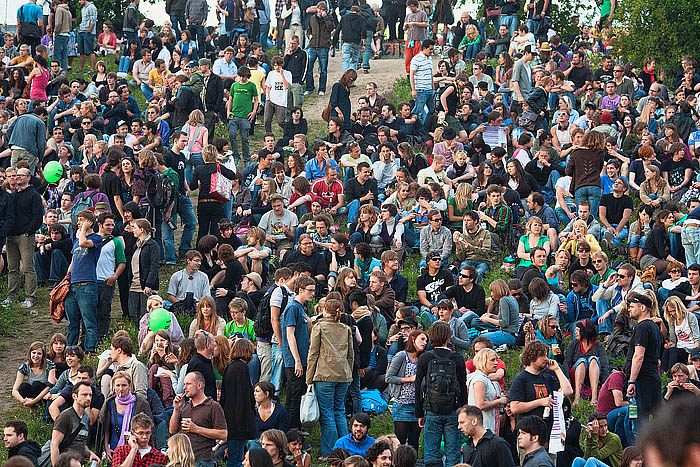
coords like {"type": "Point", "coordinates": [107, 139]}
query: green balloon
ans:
{"type": "Point", "coordinates": [159, 319]}
{"type": "Point", "coordinates": [53, 172]}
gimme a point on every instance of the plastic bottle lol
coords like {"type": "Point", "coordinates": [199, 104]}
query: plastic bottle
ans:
{"type": "Point", "coordinates": [633, 413]}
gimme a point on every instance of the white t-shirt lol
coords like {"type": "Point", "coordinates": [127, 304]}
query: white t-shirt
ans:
{"type": "Point", "coordinates": [278, 94]}
{"type": "Point", "coordinates": [565, 184]}
{"type": "Point", "coordinates": [273, 226]}
{"type": "Point", "coordinates": [522, 155]}
{"type": "Point", "coordinates": [684, 335]}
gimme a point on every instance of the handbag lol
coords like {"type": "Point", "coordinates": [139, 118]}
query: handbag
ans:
{"type": "Point", "coordinates": [326, 114]}
{"type": "Point", "coordinates": [309, 412]}
{"type": "Point", "coordinates": [187, 152]}
{"type": "Point", "coordinates": [493, 12]}
{"type": "Point", "coordinates": [220, 186]}
{"type": "Point", "coordinates": [29, 29]}
{"type": "Point", "coordinates": [529, 120]}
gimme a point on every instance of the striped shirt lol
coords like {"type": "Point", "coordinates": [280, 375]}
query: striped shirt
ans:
{"type": "Point", "coordinates": [422, 65]}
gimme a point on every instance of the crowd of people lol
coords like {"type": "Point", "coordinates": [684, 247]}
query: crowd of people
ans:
{"type": "Point", "coordinates": [579, 186]}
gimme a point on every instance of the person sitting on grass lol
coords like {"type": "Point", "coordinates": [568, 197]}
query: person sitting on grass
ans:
{"type": "Point", "coordinates": [40, 375]}
{"type": "Point", "coordinates": [586, 360]}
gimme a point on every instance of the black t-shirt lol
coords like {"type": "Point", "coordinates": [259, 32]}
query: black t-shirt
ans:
{"type": "Point", "coordinates": [177, 162]}
{"type": "Point", "coordinates": [98, 399]}
{"type": "Point", "coordinates": [434, 285]}
{"type": "Point", "coordinates": [579, 76]}
{"type": "Point", "coordinates": [647, 334]}
{"type": "Point", "coordinates": [637, 167]}
{"type": "Point", "coordinates": [682, 393]}
{"type": "Point", "coordinates": [615, 207]}
{"type": "Point", "coordinates": [112, 186]}
{"type": "Point", "coordinates": [603, 76]}
{"type": "Point", "coordinates": [527, 387]}
{"type": "Point", "coordinates": [676, 170]}
{"type": "Point", "coordinates": [345, 261]}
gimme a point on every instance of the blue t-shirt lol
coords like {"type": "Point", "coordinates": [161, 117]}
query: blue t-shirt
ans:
{"type": "Point", "coordinates": [85, 260]}
{"type": "Point", "coordinates": [295, 315]}
{"type": "Point", "coordinates": [31, 13]}
{"type": "Point", "coordinates": [607, 183]}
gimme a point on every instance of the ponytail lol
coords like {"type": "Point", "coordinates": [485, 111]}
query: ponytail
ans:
{"type": "Point", "coordinates": [335, 308]}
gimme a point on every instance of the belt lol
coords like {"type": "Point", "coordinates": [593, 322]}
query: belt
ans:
{"type": "Point", "coordinates": [82, 283]}
{"type": "Point", "coordinates": [692, 226]}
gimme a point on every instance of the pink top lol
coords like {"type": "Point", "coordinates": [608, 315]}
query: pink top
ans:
{"type": "Point", "coordinates": [201, 140]}
{"type": "Point", "coordinates": [112, 42]}
{"type": "Point", "coordinates": [39, 83]}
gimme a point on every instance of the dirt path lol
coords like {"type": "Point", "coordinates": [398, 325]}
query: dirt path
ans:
{"type": "Point", "coordinates": [384, 72]}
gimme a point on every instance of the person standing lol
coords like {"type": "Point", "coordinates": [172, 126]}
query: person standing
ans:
{"type": "Point", "coordinates": [241, 109]}
{"type": "Point", "coordinates": [277, 86]}
{"type": "Point", "coordinates": [30, 24]}
{"type": "Point", "coordinates": [110, 265]}
{"type": "Point", "coordinates": [131, 24]}
{"type": "Point", "coordinates": [421, 78]}
{"type": "Point", "coordinates": [521, 81]}
{"type": "Point", "coordinates": [86, 33]}
{"type": "Point", "coordinates": [295, 345]}
{"type": "Point", "coordinates": [643, 354]}
{"type": "Point", "coordinates": [196, 12]}
{"type": "Point", "coordinates": [27, 138]}
{"type": "Point", "coordinates": [416, 28]}
{"type": "Point", "coordinates": [63, 23]}
{"type": "Point", "coordinates": [28, 215]}
{"type": "Point", "coordinates": [176, 10]}
{"type": "Point", "coordinates": [320, 28]}
{"type": "Point", "coordinates": [175, 159]}
{"type": "Point", "coordinates": [331, 341]}
{"type": "Point", "coordinates": [352, 26]}
{"type": "Point", "coordinates": [201, 418]}
{"type": "Point", "coordinates": [295, 61]}
{"type": "Point", "coordinates": [81, 301]}
{"type": "Point", "coordinates": [211, 97]}
{"type": "Point", "coordinates": [436, 407]}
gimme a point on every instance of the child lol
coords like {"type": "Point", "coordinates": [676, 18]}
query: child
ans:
{"type": "Point", "coordinates": [295, 443]}
{"type": "Point", "coordinates": [240, 325]}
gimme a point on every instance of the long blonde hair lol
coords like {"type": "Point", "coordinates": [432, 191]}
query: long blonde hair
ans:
{"type": "Point", "coordinates": [463, 195]}
{"type": "Point", "coordinates": [214, 320]}
{"type": "Point", "coordinates": [180, 453]}
{"type": "Point", "coordinates": [499, 289]}
{"type": "Point", "coordinates": [273, 188]}
{"type": "Point", "coordinates": [221, 361]}
{"type": "Point", "coordinates": [196, 118]}
{"type": "Point", "coordinates": [681, 310]}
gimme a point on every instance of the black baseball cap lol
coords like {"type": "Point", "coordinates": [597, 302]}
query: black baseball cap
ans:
{"type": "Point", "coordinates": [643, 299]}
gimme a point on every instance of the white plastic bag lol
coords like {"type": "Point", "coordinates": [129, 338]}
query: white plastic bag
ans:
{"type": "Point", "coordinates": [309, 412]}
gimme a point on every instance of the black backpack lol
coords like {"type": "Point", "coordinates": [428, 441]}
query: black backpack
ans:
{"type": "Point", "coordinates": [440, 387]}
{"type": "Point", "coordinates": [263, 324]}
{"type": "Point", "coordinates": [161, 190]}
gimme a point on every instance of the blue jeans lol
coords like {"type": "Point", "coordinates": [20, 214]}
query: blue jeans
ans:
{"type": "Point", "coordinates": [179, 23]}
{"type": "Point", "coordinates": [690, 239]}
{"type": "Point", "coordinates": [147, 91]}
{"type": "Point", "coordinates": [331, 403]}
{"type": "Point", "coordinates": [58, 266]}
{"type": "Point", "coordinates": [353, 210]}
{"type": "Point", "coordinates": [195, 161]}
{"type": "Point", "coordinates": [81, 304]}
{"type": "Point", "coordinates": [590, 193]}
{"type": "Point", "coordinates": [638, 242]}
{"type": "Point", "coordinates": [254, 369]}
{"type": "Point", "coordinates": [189, 221]}
{"type": "Point", "coordinates": [561, 215]}
{"type": "Point", "coordinates": [124, 64]}
{"type": "Point", "coordinates": [511, 22]}
{"type": "Point", "coordinates": [60, 51]}
{"type": "Point", "coordinates": [424, 97]}
{"type": "Point", "coordinates": [322, 55]}
{"type": "Point", "coordinates": [602, 307]}
{"type": "Point", "coordinates": [500, 338]}
{"type": "Point", "coordinates": [591, 462]}
{"type": "Point", "coordinates": [277, 368]}
{"type": "Point", "coordinates": [262, 36]}
{"type": "Point", "coordinates": [481, 267]}
{"type": "Point", "coordinates": [620, 424]}
{"type": "Point", "coordinates": [240, 126]}
{"type": "Point", "coordinates": [436, 428]}
{"type": "Point", "coordinates": [411, 237]}
{"type": "Point", "coordinates": [200, 32]}
{"type": "Point", "coordinates": [368, 50]}
{"type": "Point", "coordinates": [620, 236]}
{"type": "Point", "coordinates": [676, 247]}
{"type": "Point", "coordinates": [105, 294]}
{"type": "Point", "coordinates": [86, 43]}
{"type": "Point", "coordinates": [351, 55]}
{"type": "Point", "coordinates": [471, 51]}
{"type": "Point", "coordinates": [549, 189]}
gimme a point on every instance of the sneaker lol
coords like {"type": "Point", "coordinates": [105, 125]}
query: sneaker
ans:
{"type": "Point", "coordinates": [306, 93]}
{"type": "Point", "coordinates": [608, 240]}
{"type": "Point", "coordinates": [27, 303]}
{"type": "Point", "coordinates": [7, 301]}
{"type": "Point", "coordinates": [365, 71]}
{"type": "Point", "coordinates": [321, 93]}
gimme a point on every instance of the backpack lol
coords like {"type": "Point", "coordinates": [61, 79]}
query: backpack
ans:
{"type": "Point", "coordinates": [440, 387]}
{"type": "Point", "coordinates": [82, 203]}
{"type": "Point", "coordinates": [263, 324]}
{"type": "Point", "coordinates": [160, 190]}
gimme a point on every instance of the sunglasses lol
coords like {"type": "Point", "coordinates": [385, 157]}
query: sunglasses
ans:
{"type": "Point", "coordinates": [675, 271]}
{"type": "Point", "coordinates": [553, 326]}
{"type": "Point", "coordinates": [439, 219]}
{"type": "Point", "coordinates": [465, 276]}
{"type": "Point", "coordinates": [574, 284]}
{"type": "Point", "coordinates": [434, 259]}
{"type": "Point", "coordinates": [596, 261]}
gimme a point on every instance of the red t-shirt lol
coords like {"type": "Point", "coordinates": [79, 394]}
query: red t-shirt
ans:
{"type": "Point", "coordinates": [330, 194]}
{"type": "Point", "coordinates": [471, 368]}
{"type": "Point", "coordinates": [606, 401]}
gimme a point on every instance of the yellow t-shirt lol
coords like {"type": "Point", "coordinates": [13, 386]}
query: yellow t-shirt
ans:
{"type": "Point", "coordinates": [256, 76]}
{"type": "Point", "coordinates": [28, 62]}
{"type": "Point", "coordinates": [156, 77]}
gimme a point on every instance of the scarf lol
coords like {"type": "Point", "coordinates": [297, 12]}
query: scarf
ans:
{"type": "Point", "coordinates": [130, 402]}
{"type": "Point", "coordinates": [363, 264]}
{"type": "Point", "coordinates": [360, 313]}
{"type": "Point", "coordinates": [651, 73]}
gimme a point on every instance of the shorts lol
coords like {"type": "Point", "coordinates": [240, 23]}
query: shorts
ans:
{"type": "Point", "coordinates": [86, 43]}
{"type": "Point", "coordinates": [453, 123]}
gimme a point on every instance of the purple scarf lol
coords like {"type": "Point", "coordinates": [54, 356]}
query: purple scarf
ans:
{"type": "Point", "coordinates": [129, 401]}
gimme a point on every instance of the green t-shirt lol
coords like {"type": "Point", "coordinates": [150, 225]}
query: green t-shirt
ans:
{"type": "Point", "coordinates": [596, 279]}
{"type": "Point", "coordinates": [243, 95]}
{"type": "Point", "coordinates": [247, 329]}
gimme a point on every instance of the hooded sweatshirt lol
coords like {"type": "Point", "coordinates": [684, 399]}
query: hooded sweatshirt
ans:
{"type": "Point", "coordinates": [29, 449]}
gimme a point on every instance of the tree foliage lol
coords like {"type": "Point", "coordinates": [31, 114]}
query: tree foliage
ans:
{"type": "Point", "coordinates": [111, 10]}
{"type": "Point", "coordinates": [662, 29]}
